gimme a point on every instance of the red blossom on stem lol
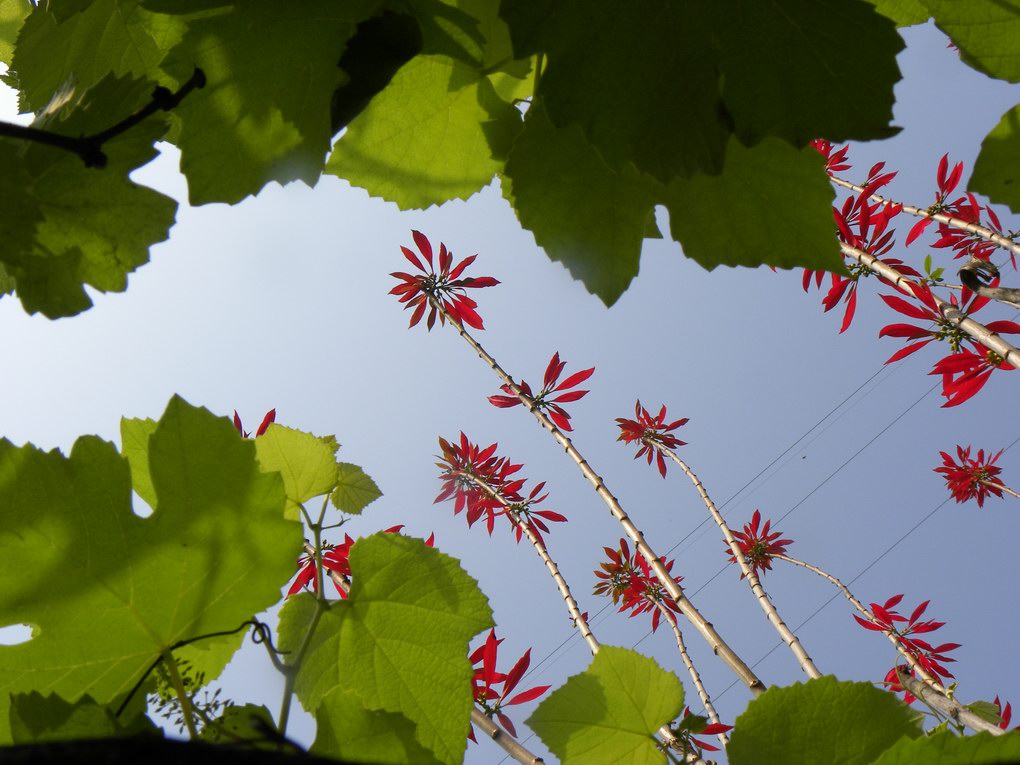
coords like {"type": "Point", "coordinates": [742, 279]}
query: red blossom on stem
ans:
{"type": "Point", "coordinates": [546, 400]}
{"type": "Point", "coordinates": [648, 430]}
{"type": "Point", "coordinates": [462, 461]}
{"type": "Point", "coordinates": [947, 181]}
{"type": "Point", "coordinates": [268, 420]}
{"type": "Point", "coordinates": [905, 629]}
{"type": "Point", "coordinates": [631, 583]}
{"type": "Point", "coordinates": [758, 544]}
{"type": "Point", "coordinates": [971, 477]}
{"type": "Point", "coordinates": [486, 678]}
{"type": "Point", "coordinates": [448, 287]}
{"type": "Point", "coordinates": [834, 161]}
{"type": "Point", "coordinates": [335, 558]}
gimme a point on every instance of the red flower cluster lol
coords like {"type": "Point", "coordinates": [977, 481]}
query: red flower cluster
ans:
{"type": "Point", "coordinates": [486, 678]}
{"type": "Point", "coordinates": [545, 400]}
{"type": "Point", "coordinates": [965, 370]}
{"type": "Point", "coordinates": [691, 725]}
{"type": "Point", "coordinates": [648, 430]}
{"type": "Point", "coordinates": [334, 558]}
{"type": "Point", "coordinates": [947, 181]}
{"type": "Point", "coordinates": [930, 658]}
{"type": "Point", "coordinates": [631, 583]}
{"type": "Point", "coordinates": [268, 420]}
{"type": "Point", "coordinates": [758, 545]}
{"type": "Point", "coordinates": [971, 478]}
{"type": "Point", "coordinates": [461, 461]}
{"type": "Point", "coordinates": [834, 161]}
{"type": "Point", "coordinates": [447, 287]}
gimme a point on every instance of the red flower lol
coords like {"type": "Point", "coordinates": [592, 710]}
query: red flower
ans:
{"type": "Point", "coordinates": [632, 584]}
{"type": "Point", "coordinates": [268, 420]}
{"type": "Point", "coordinates": [758, 545]}
{"type": "Point", "coordinates": [929, 657]}
{"type": "Point", "coordinates": [464, 461]}
{"type": "Point", "coordinates": [834, 162]}
{"type": "Point", "coordinates": [971, 478]}
{"type": "Point", "coordinates": [650, 430]}
{"type": "Point", "coordinates": [696, 724]}
{"type": "Point", "coordinates": [448, 286]}
{"type": "Point", "coordinates": [545, 400]}
{"type": "Point", "coordinates": [334, 558]}
{"type": "Point", "coordinates": [947, 181]}
{"type": "Point", "coordinates": [965, 373]}
{"type": "Point", "coordinates": [486, 678]}
{"type": "Point", "coordinates": [1005, 715]}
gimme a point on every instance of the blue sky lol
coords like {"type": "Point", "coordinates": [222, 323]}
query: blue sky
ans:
{"type": "Point", "coordinates": [281, 302]}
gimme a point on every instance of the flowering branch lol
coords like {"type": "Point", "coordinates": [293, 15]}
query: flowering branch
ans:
{"type": "Point", "coordinates": [748, 572]}
{"type": "Point", "coordinates": [706, 700]}
{"type": "Point", "coordinates": [927, 678]}
{"type": "Point", "coordinates": [968, 226]}
{"type": "Point", "coordinates": [950, 313]}
{"type": "Point", "coordinates": [718, 645]}
{"type": "Point", "coordinates": [576, 615]}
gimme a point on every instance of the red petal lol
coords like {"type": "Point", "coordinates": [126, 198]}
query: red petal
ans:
{"type": "Point", "coordinates": [268, 420]}
{"type": "Point", "coordinates": [575, 379]}
{"type": "Point", "coordinates": [423, 245]}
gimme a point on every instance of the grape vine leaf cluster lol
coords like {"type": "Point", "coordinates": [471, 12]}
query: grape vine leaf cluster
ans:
{"type": "Point", "coordinates": [434, 100]}
{"type": "Point", "coordinates": [106, 591]}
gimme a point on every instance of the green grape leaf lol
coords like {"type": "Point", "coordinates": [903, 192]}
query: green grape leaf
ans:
{"type": "Point", "coordinates": [12, 15]}
{"type": "Point", "coordinates": [987, 32]}
{"type": "Point", "coordinates": [35, 718]}
{"type": "Point", "coordinates": [354, 489]}
{"type": "Point", "coordinates": [949, 749]}
{"type": "Point", "coordinates": [398, 643]}
{"type": "Point", "coordinates": [134, 439]}
{"type": "Point", "coordinates": [87, 41]}
{"type": "Point", "coordinates": [997, 170]}
{"type": "Point", "coordinates": [264, 114]}
{"type": "Point", "coordinates": [307, 463]}
{"type": "Point", "coordinates": [450, 28]}
{"type": "Point", "coordinates": [7, 282]}
{"type": "Point", "coordinates": [206, 659]}
{"type": "Point", "coordinates": [428, 137]}
{"type": "Point", "coordinates": [904, 13]}
{"type": "Point", "coordinates": [772, 204]}
{"type": "Point", "coordinates": [346, 730]}
{"type": "Point", "coordinates": [67, 239]}
{"type": "Point", "coordinates": [215, 551]}
{"type": "Point", "coordinates": [610, 712]}
{"type": "Point", "coordinates": [583, 213]}
{"type": "Point", "coordinates": [657, 107]}
{"type": "Point", "coordinates": [820, 722]}
{"type": "Point", "coordinates": [802, 94]}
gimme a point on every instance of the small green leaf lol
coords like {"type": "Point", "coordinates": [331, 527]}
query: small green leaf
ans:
{"type": "Point", "coordinates": [583, 213]}
{"type": "Point", "coordinates": [354, 489]}
{"type": "Point", "coordinates": [820, 722]}
{"type": "Point", "coordinates": [772, 204]}
{"type": "Point", "coordinates": [610, 712]}
{"type": "Point", "coordinates": [986, 710]}
{"type": "Point", "coordinates": [348, 731]}
{"type": "Point", "coordinates": [306, 462]}
{"type": "Point", "coordinates": [428, 137]}
{"type": "Point", "coordinates": [987, 32]}
{"type": "Point", "coordinates": [399, 643]}
{"type": "Point", "coordinates": [997, 170]}
{"type": "Point", "coordinates": [947, 748]}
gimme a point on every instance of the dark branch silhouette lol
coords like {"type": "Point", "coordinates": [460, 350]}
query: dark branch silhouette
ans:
{"type": "Point", "coordinates": [971, 274]}
{"type": "Point", "coordinates": [90, 147]}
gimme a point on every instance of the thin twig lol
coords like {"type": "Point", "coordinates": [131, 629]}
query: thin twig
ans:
{"type": "Point", "coordinates": [1000, 487]}
{"type": "Point", "coordinates": [950, 312]}
{"type": "Point", "coordinates": [706, 700]}
{"type": "Point", "coordinates": [90, 147]}
{"type": "Point", "coordinates": [748, 572]}
{"type": "Point", "coordinates": [705, 627]}
{"type": "Point", "coordinates": [973, 228]}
